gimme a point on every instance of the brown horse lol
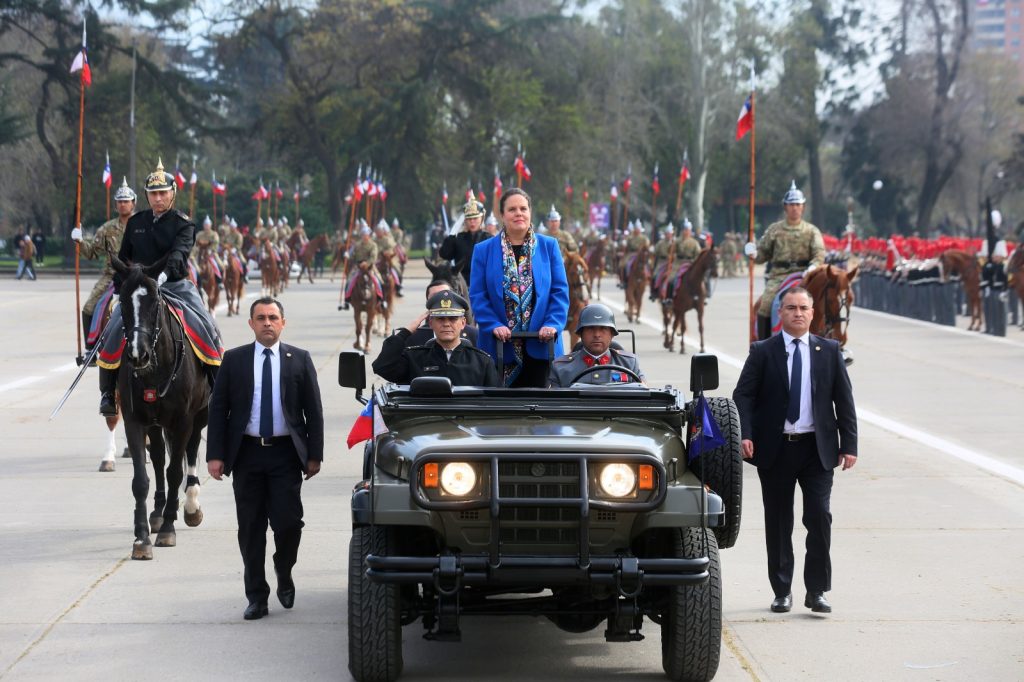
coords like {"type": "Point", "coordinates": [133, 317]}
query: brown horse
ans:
{"type": "Point", "coordinates": [208, 279]}
{"type": "Point", "coordinates": [636, 284]}
{"type": "Point", "coordinates": [830, 288]}
{"type": "Point", "coordinates": [689, 295]}
{"type": "Point", "coordinates": [307, 254]}
{"type": "Point", "coordinates": [364, 301]}
{"type": "Point", "coordinates": [579, 292]}
{"type": "Point", "coordinates": [285, 267]}
{"type": "Point", "coordinates": [388, 287]}
{"type": "Point", "coordinates": [965, 266]}
{"type": "Point", "coordinates": [1015, 273]}
{"type": "Point", "coordinates": [269, 273]}
{"type": "Point", "coordinates": [234, 282]}
{"type": "Point", "coordinates": [595, 266]}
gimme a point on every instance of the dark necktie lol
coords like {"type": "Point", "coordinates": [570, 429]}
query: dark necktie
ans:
{"type": "Point", "coordinates": [793, 413]}
{"type": "Point", "coordinates": [267, 398]}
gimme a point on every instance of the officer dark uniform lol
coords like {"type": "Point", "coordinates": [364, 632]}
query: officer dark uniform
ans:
{"type": "Point", "coordinates": [463, 363]}
{"type": "Point", "coordinates": [563, 369]}
{"type": "Point", "coordinates": [458, 248]}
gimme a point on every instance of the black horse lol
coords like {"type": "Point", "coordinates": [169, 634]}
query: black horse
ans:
{"type": "Point", "coordinates": [163, 388]}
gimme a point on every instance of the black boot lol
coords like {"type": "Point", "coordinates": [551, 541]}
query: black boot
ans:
{"type": "Point", "coordinates": [108, 385]}
{"type": "Point", "coordinates": [764, 327]}
{"type": "Point", "coordinates": [86, 322]}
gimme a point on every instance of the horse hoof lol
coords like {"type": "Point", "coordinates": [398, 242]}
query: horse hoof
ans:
{"type": "Point", "coordinates": [142, 552]}
{"type": "Point", "coordinates": [156, 521]}
{"type": "Point", "coordinates": [193, 520]}
{"type": "Point", "coordinates": [126, 454]}
{"type": "Point", "coordinates": [166, 540]}
{"type": "Point", "coordinates": [107, 465]}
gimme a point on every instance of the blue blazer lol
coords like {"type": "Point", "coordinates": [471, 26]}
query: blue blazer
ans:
{"type": "Point", "coordinates": [550, 307]}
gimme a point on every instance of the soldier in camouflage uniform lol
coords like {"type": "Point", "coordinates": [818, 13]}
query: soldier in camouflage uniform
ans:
{"type": "Point", "coordinates": [636, 242]}
{"type": "Point", "coordinates": [789, 246]}
{"type": "Point", "coordinates": [364, 257]}
{"type": "Point", "coordinates": [208, 239]}
{"type": "Point", "coordinates": [566, 242]}
{"type": "Point", "coordinates": [728, 254]}
{"type": "Point", "coordinates": [388, 251]}
{"type": "Point", "coordinates": [106, 240]}
{"type": "Point", "coordinates": [685, 251]}
{"type": "Point", "coordinates": [662, 251]}
{"type": "Point", "coordinates": [232, 243]}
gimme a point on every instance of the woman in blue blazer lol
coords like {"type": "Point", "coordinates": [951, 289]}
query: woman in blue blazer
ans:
{"type": "Point", "coordinates": [518, 284]}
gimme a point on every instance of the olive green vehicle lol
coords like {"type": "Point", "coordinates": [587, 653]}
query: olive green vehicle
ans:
{"type": "Point", "coordinates": [577, 504]}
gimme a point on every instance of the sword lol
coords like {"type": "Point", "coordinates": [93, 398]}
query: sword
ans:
{"type": "Point", "coordinates": [81, 373]}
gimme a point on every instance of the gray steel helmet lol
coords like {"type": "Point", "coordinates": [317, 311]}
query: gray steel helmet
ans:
{"type": "Point", "coordinates": [597, 315]}
{"type": "Point", "coordinates": [794, 196]}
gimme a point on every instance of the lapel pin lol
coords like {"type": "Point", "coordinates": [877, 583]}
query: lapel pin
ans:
{"type": "Point", "coordinates": [815, 348]}
{"type": "Point", "coordinates": [288, 355]}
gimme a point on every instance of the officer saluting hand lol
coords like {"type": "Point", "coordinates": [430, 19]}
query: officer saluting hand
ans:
{"type": "Point", "coordinates": [446, 355]}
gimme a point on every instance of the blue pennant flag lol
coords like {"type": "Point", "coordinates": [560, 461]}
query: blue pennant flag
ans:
{"type": "Point", "coordinates": [705, 435]}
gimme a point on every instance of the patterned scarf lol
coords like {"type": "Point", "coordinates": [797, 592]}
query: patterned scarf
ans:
{"type": "Point", "coordinates": [517, 285]}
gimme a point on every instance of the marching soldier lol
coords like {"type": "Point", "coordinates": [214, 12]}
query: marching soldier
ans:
{"type": "Point", "coordinates": [107, 240]}
{"type": "Point", "coordinates": [458, 248]}
{"type": "Point", "coordinates": [448, 354]}
{"type": "Point", "coordinates": [566, 242]}
{"type": "Point", "coordinates": [729, 253]}
{"type": "Point", "coordinates": [791, 246]}
{"type": "Point", "coordinates": [388, 250]}
{"type": "Point", "coordinates": [685, 251]}
{"type": "Point", "coordinates": [596, 328]}
{"type": "Point", "coordinates": [364, 257]}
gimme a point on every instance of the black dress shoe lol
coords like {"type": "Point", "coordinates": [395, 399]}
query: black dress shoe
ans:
{"type": "Point", "coordinates": [285, 590]}
{"type": "Point", "coordinates": [816, 602]}
{"type": "Point", "coordinates": [256, 610]}
{"type": "Point", "coordinates": [782, 604]}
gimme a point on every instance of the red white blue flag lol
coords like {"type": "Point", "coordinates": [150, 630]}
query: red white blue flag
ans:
{"type": "Point", "coordinates": [107, 177]}
{"type": "Point", "coordinates": [362, 429]}
{"type": "Point", "coordinates": [81, 62]}
{"type": "Point", "coordinates": [745, 122]}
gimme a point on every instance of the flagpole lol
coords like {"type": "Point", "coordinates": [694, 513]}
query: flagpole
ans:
{"type": "Point", "coordinates": [78, 218]}
{"type": "Point", "coordinates": [348, 245]}
{"type": "Point", "coordinates": [192, 198]}
{"type": "Point", "coordinates": [750, 229]}
{"type": "Point", "coordinates": [108, 200]}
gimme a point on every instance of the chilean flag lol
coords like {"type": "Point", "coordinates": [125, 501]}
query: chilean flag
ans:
{"type": "Point", "coordinates": [568, 189]}
{"type": "Point", "coordinates": [655, 183]}
{"type": "Point", "coordinates": [81, 62]}
{"type": "Point", "coordinates": [628, 182]}
{"type": "Point", "coordinates": [615, 190]}
{"type": "Point", "coordinates": [195, 177]}
{"type": "Point", "coordinates": [279, 192]}
{"type": "Point", "coordinates": [296, 195]}
{"type": "Point", "coordinates": [362, 429]}
{"type": "Point", "coordinates": [219, 188]}
{"type": "Point", "coordinates": [684, 172]}
{"type": "Point", "coordinates": [746, 120]}
{"type": "Point", "coordinates": [497, 180]}
{"type": "Point", "coordinates": [444, 195]}
{"type": "Point", "coordinates": [527, 173]}
{"type": "Point", "coordinates": [107, 178]}
{"type": "Point", "coordinates": [382, 191]}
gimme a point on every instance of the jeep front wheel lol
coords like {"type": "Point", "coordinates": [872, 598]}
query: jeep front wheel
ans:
{"type": "Point", "coordinates": [691, 626]}
{"type": "Point", "coordinates": [374, 612]}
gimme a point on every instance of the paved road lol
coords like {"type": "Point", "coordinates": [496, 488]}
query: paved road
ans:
{"type": "Point", "coordinates": [928, 539]}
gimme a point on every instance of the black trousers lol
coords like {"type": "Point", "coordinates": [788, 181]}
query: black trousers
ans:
{"type": "Point", "coordinates": [267, 482]}
{"type": "Point", "coordinates": [798, 462]}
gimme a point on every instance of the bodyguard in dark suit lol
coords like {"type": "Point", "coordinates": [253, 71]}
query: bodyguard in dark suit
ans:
{"type": "Point", "coordinates": [266, 429]}
{"type": "Point", "coordinates": [798, 423]}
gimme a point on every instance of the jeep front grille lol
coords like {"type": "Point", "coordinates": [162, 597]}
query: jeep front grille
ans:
{"type": "Point", "coordinates": [536, 480]}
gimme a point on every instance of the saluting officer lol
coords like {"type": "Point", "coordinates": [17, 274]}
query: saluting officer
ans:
{"type": "Point", "coordinates": [596, 328]}
{"type": "Point", "coordinates": [448, 354]}
{"type": "Point", "coordinates": [792, 245]}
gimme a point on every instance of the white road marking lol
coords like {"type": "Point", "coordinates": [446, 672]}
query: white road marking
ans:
{"type": "Point", "coordinates": [65, 368]}
{"type": "Point", "coordinates": [946, 328]}
{"type": "Point", "coordinates": [972, 457]}
{"type": "Point", "coordinates": [19, 383]}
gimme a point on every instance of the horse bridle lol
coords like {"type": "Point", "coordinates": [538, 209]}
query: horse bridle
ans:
{"type": "Point", "coordinates": [844, 306]}
{"type": "Point", "coordinates": [154, 337]}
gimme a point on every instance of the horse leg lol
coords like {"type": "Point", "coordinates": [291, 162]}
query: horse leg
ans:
{"type": "Point", "coordinates": [158, 454]}
{"type": "Point", "coordinates": [681, 324]}
{"type": "Point", "coordinates": [177, 436]}
{"type": "Point", "coordinates": [700, 325]}
{"type": "Point", "coordinates": [107, 463]}
{"type": "Point", "coordinates": [193, 512]}
{"type": "Point", "coordinates": [142, 548]}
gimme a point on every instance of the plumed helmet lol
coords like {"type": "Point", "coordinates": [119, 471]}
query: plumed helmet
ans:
{"type": "Point", "coordinates": [669, 229]}
{"type": "Point", "coordinates": [124, 192]}
{"type": "Point", "coordinates": [687, 225]}
{"type": "Point", "coordinates": [638, 226]}
{"type": "Point", "coordinates": [234, 223]}
{"type": "Point", "coordinates": [597, 315]}
{"type": "Point", "coordinates": [300, 222]}
{"type": "Point", "coordinates": [553, 214]}
{"type": "Point", "coordinates": [284, 220]}
{"type": "Point", "coordinates": [382, 226]}
{"type": "Point", "coordinates": [207, 221]}
{"type": "Point", "coordinates": [794, 195]}
{"type": "Point", "coordinates": [473, 209]}
{"type": "Point", "coordinates": [394, 223]}
{"type": "Point", "coordinates": [364, 230]}
{"type": "Point", "coordinates": [491, 220]}
{"type": "Point", "coordinates": [160, 180]}
{"type": "Point", "coordinates": [1000, 250]}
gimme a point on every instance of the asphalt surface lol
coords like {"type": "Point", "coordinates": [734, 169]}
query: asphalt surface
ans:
{"type": "Point", "coordinates": [928, 537]}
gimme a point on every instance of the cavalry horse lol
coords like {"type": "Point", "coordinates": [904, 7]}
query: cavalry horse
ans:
{"type": "Point", "coordinates": [442, 271]}
{"type": "Point", "coordinates": [284, 267]}
{"type": "Point", "coordinates": [307, 254]}
{"type": "Point", "coordinates": [269, 272]}
{"type": "Point", "coordinates": [595, 266]}
{"type": "Point", "coordinates": [690, 293]}
{"type": "Point", "coordinates": [107, 463]}
{"type": "Point", "coordinates": [579, 293]}
{"type": "Point", "coordinates": [638, 274]}
{"type": "Point", "coordinates": [234, 281]}
{"type": "Point", "coordinates": [164, 389]}
{"type": "Point", "coordinates": [208, 279]}
{"type": "Point", "coordinates": [364, 301]}
{"type": "Point", "coordinates": [965, 266]}
{"type": "Point", "coordinates": [389, 286]}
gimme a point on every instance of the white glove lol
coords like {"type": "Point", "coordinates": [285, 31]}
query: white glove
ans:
{"type": "Point", "coordinates": [161, 279]}
{"type": "Point", "coordinates": [76, 234]}
{"type": "Point", "coordinates": [750, 249]}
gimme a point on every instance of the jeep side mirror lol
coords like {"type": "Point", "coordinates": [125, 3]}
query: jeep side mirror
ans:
{"type": "Point", "coordinates": [352, 371]}
{"type": "Point", "coordinates": [703, 372]}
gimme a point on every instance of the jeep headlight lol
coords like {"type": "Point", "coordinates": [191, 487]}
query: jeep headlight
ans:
{"type": "Point", "coordinates": [458, 478]}
{"type": "Point", "coordinates": [617, 480]}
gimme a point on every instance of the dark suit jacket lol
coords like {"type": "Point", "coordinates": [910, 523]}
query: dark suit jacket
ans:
{"type": "Point", "coordinates": [762, 395]}
{"type": "Point", "coordinates": [231, 404]}
{"type": "Point", "coordinates": [487, 295]}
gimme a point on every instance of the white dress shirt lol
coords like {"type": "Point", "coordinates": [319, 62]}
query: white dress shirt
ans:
{"type": "Point", "coordinates": [253, 427]}
{"type": "Point", "coordinates": [805, 422]}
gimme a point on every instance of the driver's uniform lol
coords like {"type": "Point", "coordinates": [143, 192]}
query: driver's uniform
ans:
{"type": "Point", "coordinates": [564, 368]}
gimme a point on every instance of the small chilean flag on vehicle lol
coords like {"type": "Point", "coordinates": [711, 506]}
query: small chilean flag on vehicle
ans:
{"type": "Point", "coordinates": [362, 429]}
{"type": "Point", "coordinates": [746, 120]}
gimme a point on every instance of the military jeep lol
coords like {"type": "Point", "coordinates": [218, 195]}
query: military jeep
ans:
{"type": "Point", "coordinates": [577, 504]}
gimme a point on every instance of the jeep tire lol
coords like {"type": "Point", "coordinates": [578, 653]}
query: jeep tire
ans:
{"type": "Point", "coordinates": [723, 469]}
{"type": "Point", "coordinates": [374, 612]}
{"type": "Point", "coordinates": [691, 626]}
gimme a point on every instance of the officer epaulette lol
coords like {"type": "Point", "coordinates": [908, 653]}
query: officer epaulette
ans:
{"type": "Point", "coordinates": [564, 358]}
{"type": "Point", "coordinates": [470, 346]}
{"type": "Point", "coordinates": [624, 354]}
{"type": "Point", "coordinates": [182, 215]}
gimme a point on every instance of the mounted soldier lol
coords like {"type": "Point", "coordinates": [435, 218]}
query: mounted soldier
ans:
{"type": "Point", "coordinates": [635, 242]}
{"type": "Point", "coordinates": [684, 252]}
{"type": "Point", "coordinates": [792, 247]}
{"type": "Point", "coordinates": [566, 242]}
{"type": "Point", "coordinates": [387, 249]}
{"type": "Point", "coordinates": [662, 259]}
{"type": "Point", "coordinates": [364, 257]}
{"type": "Point", "coordinates": [209, 240]}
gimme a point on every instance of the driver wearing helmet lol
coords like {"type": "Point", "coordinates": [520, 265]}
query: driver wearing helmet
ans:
{"type": "Point", "coordinates": [597, 328]}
